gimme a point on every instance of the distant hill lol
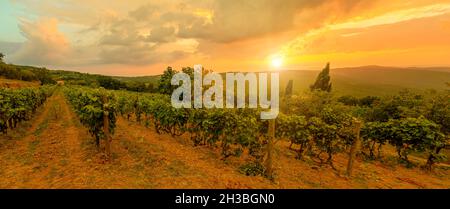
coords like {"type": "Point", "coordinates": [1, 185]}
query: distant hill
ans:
{"type": "Point", "coordinates": [10, 83]}
{"type": "Point", "coordinates": [358, 81]}
{"type": "Point", "coordinates": [372, 80]}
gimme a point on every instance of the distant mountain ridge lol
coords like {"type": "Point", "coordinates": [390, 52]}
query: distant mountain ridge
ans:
{"type": "Point", "coordinates": [379, 67]}
{"type": "Point", "coordinates": [359, 81]}
{"type": "Point", "coordinates": [374, 80]}
{"type": "Point", "coordinates": [356, 81]}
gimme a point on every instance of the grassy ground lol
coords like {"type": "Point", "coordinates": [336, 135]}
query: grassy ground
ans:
{"type": "Point", "coordinates": [8, 83]}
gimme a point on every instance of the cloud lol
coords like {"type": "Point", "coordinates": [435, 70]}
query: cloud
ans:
{"type": "Point", "coordinates": [386, 30]}
{"type": "Point", "coordinates": [214, 20]}
{"type": "Point", "coordinates": [144, 12]}
{"type": "Point", "coordinates": [45, 44]}
{"type": "Point", "coordinates": [222, 32]}
{"type": "Point", "coordinates": [234, 20]}
{"type": "Point", "coordinates": [162, 35]}
{"type": "Point", "coordinates": [142, 33]}
{"type": "Point", "coordinates": [127, 41]}
{"type": "Point", "coordinates": [237, 20]}
{"type": "Point", "coordinates": [396, 17]}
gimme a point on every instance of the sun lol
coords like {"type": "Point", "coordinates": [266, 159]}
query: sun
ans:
{"type": "Point", "coordinates": [277, 62]}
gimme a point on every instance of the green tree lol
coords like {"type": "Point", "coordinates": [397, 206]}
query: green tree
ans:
{"type": "Point", "coordinates": [1, 57]}
{"type": "Point", "coordinates": [164, 86]}
{"type": "Point", "coordinates": [438, 110]}
{"type": "Point", "coordinates": [289, 87]}
{"type": "Point", "coordinates": [189, 71]}
{"type": "Point", "coordinates": [348, 100]}
{"type": "Point", "coordinates": [323, 80]}
{"type": "Point", "coordinates": [110, 83]}
{"type": "Point", "coordinates": [368, 101]}
{"type": "Point", "coordinates": [293, 127]}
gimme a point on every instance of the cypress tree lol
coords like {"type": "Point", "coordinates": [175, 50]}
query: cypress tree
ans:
{"type": "Point", "coordinates": [323, 80]}
{"type": "Point", "coordinates": [289, 89]}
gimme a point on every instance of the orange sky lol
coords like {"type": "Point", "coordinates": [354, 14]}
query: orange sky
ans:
{"type": "Point", "coordinates": [136, 37]}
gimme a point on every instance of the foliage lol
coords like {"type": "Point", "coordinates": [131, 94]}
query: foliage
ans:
{"type": "Point", "coordinates": [315, 121]}
{"type": "Point", "coordinates": [252, 169]}
{"type": "Point", "coordinates": [234, 129]}
{"type": "Point", "coordinates": [404, 104]}
{"type": "Point", "coordinates": [323, 82]}
{"type": "Point", "coordinates": [406, 134]}
{"type": "Point", "coordinates": [438, 110]}
{"type": "Point", "coordinates": [110, 83]}
{"type": "Point", "coordinates": [19, 105]}
{"type": "Point", "coordinates": [26, 73]}
{"type": "Point", "coordinates": [294, 128]}
{"type": "Point", "coordinates": [91, 105]}
{"type": "Point", "coordinates": [164, 84]}
{"type": "Point", "coordinates": [289, 89]}
{"type": "Point", "coordinates": [367, 101]}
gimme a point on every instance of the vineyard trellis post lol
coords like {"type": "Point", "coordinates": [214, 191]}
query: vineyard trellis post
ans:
{"type": "Point", "coordinates": [107, 135]}
{"type": "Point", "coordinates": [271, 135]}
{"type": "Point", "coordinates": [355, 146]}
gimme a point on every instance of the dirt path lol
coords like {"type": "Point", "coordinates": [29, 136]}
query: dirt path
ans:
{"type": "Point", "coordinates": [179, 165]}
{"type": "Point", "coordinates": [49, 155]}
{"type": "Point", "coordinates": [16, 154]}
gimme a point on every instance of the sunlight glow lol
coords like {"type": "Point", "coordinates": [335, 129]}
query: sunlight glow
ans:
{"type": "Point", "coordinates": [277, 62]}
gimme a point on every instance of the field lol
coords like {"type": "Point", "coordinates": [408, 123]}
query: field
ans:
{"type": "Point", "coordinates": [54, 150]}
{"type": "Point", "coordinates": [9, 83]}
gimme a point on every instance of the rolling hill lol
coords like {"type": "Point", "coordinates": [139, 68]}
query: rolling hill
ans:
{"type": "Point", "coordinates": [358, 81]}
{"type": "Point", "coordinates": [372, 80]}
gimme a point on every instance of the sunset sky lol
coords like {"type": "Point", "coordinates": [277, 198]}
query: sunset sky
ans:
{"type": "Point", "coordinates": [141, 37]}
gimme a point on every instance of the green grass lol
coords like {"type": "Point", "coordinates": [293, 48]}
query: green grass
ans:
{"type": "Point", "coordinates": [41, 128]}
{"type": "Point", "coordinates": [177, 168]}
{"type": "Point", "coordinates": [33, 145]}
{"type": "Point", "coordinates": [139, 153]}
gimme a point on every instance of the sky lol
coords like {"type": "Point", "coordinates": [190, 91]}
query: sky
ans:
{"type": "Point", "coordinates": [141, 37]}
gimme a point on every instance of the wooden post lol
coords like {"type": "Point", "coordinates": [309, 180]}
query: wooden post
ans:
{"type": "Point", "coordinates": [355, 146]}
{"type": "Point", "coordinates": [268, 164]}
{"type": "Point", "coordinates": [106, 127]}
